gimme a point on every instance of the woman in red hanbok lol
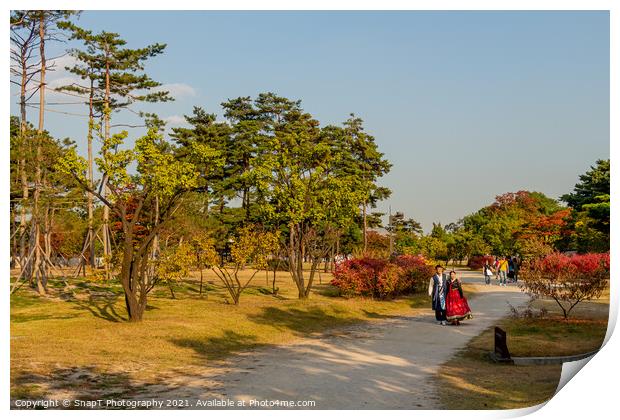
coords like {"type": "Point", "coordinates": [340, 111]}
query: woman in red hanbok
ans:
{"type": "Point", "coordinates": [457, 308]}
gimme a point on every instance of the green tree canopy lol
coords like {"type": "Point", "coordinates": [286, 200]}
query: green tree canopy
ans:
{"type": "Point", "coordinates": [593, 184]}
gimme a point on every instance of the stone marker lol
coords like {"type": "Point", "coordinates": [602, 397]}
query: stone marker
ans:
{"type": "Point", "coordinates": [501, 353]}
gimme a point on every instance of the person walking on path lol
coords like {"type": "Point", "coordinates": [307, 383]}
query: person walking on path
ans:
{"type": "Point", "coordinates": [511, 269]}
{"type": "Point", "coordinates": [437, 290]}
{"type": "Point", "coordinates": [517, 265]}
{"type": "Point", "coordinates": [457, 307]}
{"type": "Point", "coordinates": [496, 268]}
{"type": "Point", "coordinates": [503, 268]}
{"type": "Point", "coordinates": [488, 272]}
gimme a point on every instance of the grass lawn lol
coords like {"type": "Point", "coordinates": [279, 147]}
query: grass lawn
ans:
{"type": "Point", "coordinates": [79, 329]}
{"type": "Point", "coordinates": [471, 381]}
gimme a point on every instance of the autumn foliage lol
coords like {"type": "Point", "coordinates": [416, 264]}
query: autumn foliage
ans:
{"type": "Point", "coordinates": [477, 262]}
{"type": "Point", "coordinates": [416, 271]}
{"type": "Point", "coordinates": [567, 279]}
{"type": "Point", "coordinates": [381, 278]}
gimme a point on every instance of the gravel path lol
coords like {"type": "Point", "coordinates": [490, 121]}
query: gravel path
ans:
{"type": "Point", "coordinates": [387, 365]}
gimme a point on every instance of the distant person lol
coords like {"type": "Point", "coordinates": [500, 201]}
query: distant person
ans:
{"type": "Point", "coordinates": [503, 269]}
{"type": "Point", "coordinates": [437, 290]}
{"type": "Point", "coordinates": [511, 269]}
{"type": "Point", "coordinates": [457, 307]}
{"type": "Point", "coordinates": [496, 268]}
{"type": "Point", "coordinates": [487, 270]}
{"type": "Point", "coordinates": [517, 266]}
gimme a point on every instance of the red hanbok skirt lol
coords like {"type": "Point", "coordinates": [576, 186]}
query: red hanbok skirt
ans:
{"type": "Point", "coordinates": [456, 306]}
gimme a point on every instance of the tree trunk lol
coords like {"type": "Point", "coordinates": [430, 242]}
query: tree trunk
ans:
{"type": "Point", "coordinates": [39, 268]}
{"type": "Point", "coordinates": [155, 223]}
{"type": "Point", "coordinates": [22, 163]}
{"type": "Point", "coordinates": [274, 291]}
{"type": "Point", "coordinates": [14, 237]}
{"type": "Point", "coordinates": [105, 232]}
{"type": "Point", "coordinates": [365, 227]}
{"type": "Point", "coordinates": [313, 270]}
{"type": "Point", "coordinates": [47, 235]}
{"type": "Point", "coordinates": [300, 265]}
{"type": "Point", "coordinates": [89, 137]}
{"type": "Point", "coordinates": [246, 203]}
{"type": "Point", "coordinates": [135, 308]}
{"type": "Point", "coordinates": [336, 253]}
{"type": "Point", "coordinates": [326, 263]}
{"type": "Point", "coordinates": [129, 267]}
{"type": "Point", "coordinates": [295, 257]}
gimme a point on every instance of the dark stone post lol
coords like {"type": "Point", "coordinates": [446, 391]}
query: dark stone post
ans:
{"type": "Point", "coordinates": [501, 353]}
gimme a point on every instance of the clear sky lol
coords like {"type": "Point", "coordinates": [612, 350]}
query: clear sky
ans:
{"type": "Point", "coordinates": [466, 105]}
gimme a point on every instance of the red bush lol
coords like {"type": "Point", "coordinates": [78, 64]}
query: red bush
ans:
{"type": "Point", "coordinates": [416, 272]}
{"type": "Point", "coordinates": [477, 262]}
{"type": "Point", "coordinates": [381, 278]}
{"type": "Point", "coordinates": [573, 267]}
{"type": "Point", "coordinates": [588, 264]}
{"type": "Point", "coordinates": [356, 276]}
{"type": "Point", "coordinates": [566, 279]}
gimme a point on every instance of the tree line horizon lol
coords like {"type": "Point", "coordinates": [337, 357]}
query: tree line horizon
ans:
{"type": "Point", "coordinates": [307, 192]}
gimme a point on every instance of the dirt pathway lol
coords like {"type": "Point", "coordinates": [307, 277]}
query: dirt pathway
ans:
{"type": "Point", "coordinates": [387, 365]}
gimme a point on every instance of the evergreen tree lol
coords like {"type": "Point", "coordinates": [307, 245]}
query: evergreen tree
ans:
{"type": "Point", "coordinates": [367, 163]}
{"type": "Point", "coordinates": [120, 81]}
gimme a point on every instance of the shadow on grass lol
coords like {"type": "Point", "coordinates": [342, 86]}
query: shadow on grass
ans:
{"type": "Point", "coordinates": [302, 321]}
{"type": "Point", "coordinates": [419, 300]}
{"type": "Point", "coordinates": [21, 301]}
{"type": "Point", "coordinates": [218, 347]}
{"type": "Point", "coordinates": [205, 288]}
{"type": "Point", "coordinates": [103, 308]}
{"type": "Point", "coordinates": [19, 318]}
{"type": "Point", "coordinates": [326, 290]}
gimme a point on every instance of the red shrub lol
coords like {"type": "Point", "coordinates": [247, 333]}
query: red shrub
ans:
{"type": "Point", "coordinates": [388, 281]}
{"type": "Point", "coordinates": [477, 262]}
{"type": "Point", "coordinates": [416, 272]}
{"type": "Point", "coordinates": [571, 267]}
{"type": "Point", "coordinates": [381, 278]}
{"type": "Point", "coordinates": [356, 276]}
{"type": "Point", "coordinates": [566, 279]}
{"type": "Point", "coordinates": [588, 264]}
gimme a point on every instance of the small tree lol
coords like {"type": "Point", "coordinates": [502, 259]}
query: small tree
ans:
{"type": "Point", "coordinates": [173, 265]}
{"type": "Point", "coordinates": [252, 246]}
{"type": "Point", "coordinates": [274, 263]}
{"type": "Point", "coordinates": [160, 178]}
{"type": "Point", "coordinates": [203, 253]}
{"type": "Point", "coordinates": [566, 279]}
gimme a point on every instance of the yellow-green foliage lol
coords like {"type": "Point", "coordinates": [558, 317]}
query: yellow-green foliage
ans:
{"type": "Point", "coordinates": [254, 246]}
{"type": "Point", "coordinates": [174, 263]}
{"type": "Point", "coordinates": [203, 249]}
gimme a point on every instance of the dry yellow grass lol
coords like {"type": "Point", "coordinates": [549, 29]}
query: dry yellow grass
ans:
{"type": "Point", "coordinates": [81, 325]}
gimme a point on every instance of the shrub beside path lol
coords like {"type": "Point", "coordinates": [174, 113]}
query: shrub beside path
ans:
{"type": "Point", "coordinates": [385, 365]}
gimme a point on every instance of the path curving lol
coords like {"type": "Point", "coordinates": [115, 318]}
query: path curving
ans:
{"type": "Point", "coordinates": [386, 365]}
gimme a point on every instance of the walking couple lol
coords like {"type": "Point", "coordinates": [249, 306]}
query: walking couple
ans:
{"type": "Point", "coordinates": [449, 303]}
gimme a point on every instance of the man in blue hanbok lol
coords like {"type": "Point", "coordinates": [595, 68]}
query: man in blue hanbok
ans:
{"type": "Point", "coordinates": [438, 290]}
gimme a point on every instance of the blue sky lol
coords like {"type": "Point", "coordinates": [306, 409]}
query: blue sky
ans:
{"type": "Point", "coordinates": [466, 105]}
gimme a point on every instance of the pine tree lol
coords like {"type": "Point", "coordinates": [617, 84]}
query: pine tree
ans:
{"type": "Point", "coordinates": [116, 74]}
